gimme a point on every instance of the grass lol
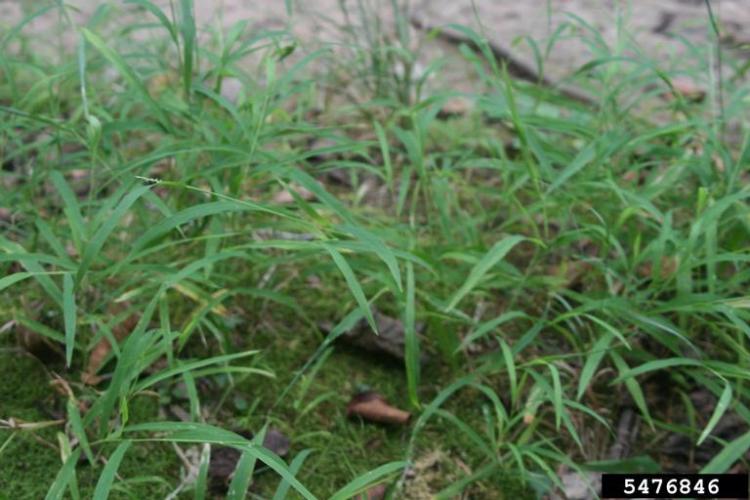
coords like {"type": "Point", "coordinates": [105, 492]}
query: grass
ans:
{"type": "Point", "coordinates": [569, 263]}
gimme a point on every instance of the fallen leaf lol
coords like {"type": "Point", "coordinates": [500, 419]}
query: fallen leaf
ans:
{"type": "Point", "coordinates": [455, 106]}
{"type": "Point", "coordinates": [161, 82]}
{"type": "Point", "coordinates": [631, 176]}
{"type": "Point", "coordinates": [276, 442]}
{"type": "Point", "coordinates": [224, 458]}
{"type": "Point", "coordinates": [221, 466]}
{"type": "Point", "coordinates": [390, 341]}
{"type": "Point", "coordinates": [685, 88]}
{"type": "Point", "coordinates": [285, 197]}
{"type": "Point", "coordinates": [370, 405]}
{"type": "Point", "coordinates": [376, 492]}
{"type": "Point", "coordinates": [668, 267]}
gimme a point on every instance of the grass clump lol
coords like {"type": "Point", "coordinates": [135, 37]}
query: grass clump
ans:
{"type": "Point", "coordinates": [185, 260]}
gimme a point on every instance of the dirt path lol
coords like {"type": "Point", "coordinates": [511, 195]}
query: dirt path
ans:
{"type": "Point", "coordinates": [668, 31]}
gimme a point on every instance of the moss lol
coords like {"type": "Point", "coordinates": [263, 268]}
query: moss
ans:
{"type": "Point", "coordinates": [30, 461]}
{"type": "Point", "coordinates": [313, 416]}
{"type": "Point", "coordinates": [26, 464]}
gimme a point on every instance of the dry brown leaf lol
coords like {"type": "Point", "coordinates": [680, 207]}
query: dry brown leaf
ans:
{"type": "Point", "coordinates": [570, 273]}
{"type": "Point", "coordinates": [224, 458]}
{"type": "Point", "coordinates": [277, 442]}
{"type": "Point", "coordinates": [376, 492]}
{"type": "Point", "coordinates": [285, 197]}
{"type": "Point", "coordinates": [373, 407]}
{"type": "Point", "coordinates": [455, 106]}
{"type": "Point", "coordinates": [687, 89]}
{"type": "Point", "coordinates": [668, 268]}
{"type": "Point", "coordinates": [221, 466]}
{"type": "Point", "coordinates": [390, 340]}
{"type": "Point", "coordinates": [161, 82]}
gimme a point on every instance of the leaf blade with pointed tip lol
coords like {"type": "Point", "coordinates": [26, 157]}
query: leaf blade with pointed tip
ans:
{"type": "Point", "coordinates": [728, 455]}
{"type": "Point", "coordinates": [592, 362]}
{"type": "Point", "coordinates": [69, 317]}
{"type": "Point", "coordinates": [354, 286]}
{"type": "Point", "coordinates": [411, 341]}
{"type": "Point", "coordinates": [64, 476]}
{"type": "Point", "coordinates": [359, 484]}
{"type": "Point", "coordinates": [129, 74]}
{"type": "Point", "coordinates": [97, 241]}
{"type": "Point", "coordinates": [74, 417]}
{"type": "Point", "coordinates": [495, 255]}
{"type": "Point", "coordinates": [381, 250]}
{"type": "Point", "coordinates": [71, 209]}
{"type": "Point", "coordinates": [204, 433]}
{"type": "Point", "coordinates": [104, 484]}
{"type": "Point", "coordinates": [283, 489]}
{"type": "Point", "coordinates": [721, 407]}
{"type": "Point", "coordinates": [14, 278]}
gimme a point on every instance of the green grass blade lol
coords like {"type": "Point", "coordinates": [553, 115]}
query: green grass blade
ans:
{"type": "Point", "coordinates": [592, 362]}
{"type": "Point", "coordinates": [74, 417]}
{"type": "Point", "coordinates": [489, 326]}
{"type": "Point", "coordinates": [104, 484]}
{"type": "Point", "coordinates": [243, 474]}
{"type": "Point", "coordinates": [728, 456]}
{"type": "Point", "coordinates": [204, 433]}
{"type": "Point", "coordinates": [201, 483]}
{"type": "Point", "coordinates": [34, 268]}
{"type": "Point", "coordinates": [130, 76]}
{"type": "Point", "coordinates": [721, 407]}
{"type": "Point", "coordinates": [182, 217]}
{"type": "Point", "coordinates": [657, 364]}
{"type": "Point", "coordinates": [381, 250]}
{"type": "Point", "coordinates": [385, 151]}
{"type": "Point", "coordinates": [510, 366]}
{"type": "Point", "coordinates": [14, 278]}
{"type": "Point", "coordinates": [283, 489]}
{"type": "Point", "coordinates": [159, 14]}
{"type": "Point", "coordinates": [64, 477]}
{"type": "Point", "coordinates": [71, 208]}
{"type": "Point", "coordinates": [585, 157]}
{"type": "Point", "coordinates": [495, 255]}
{"type": "Point", "coordinates": [411, 341]}
{"type": "Point", "coordinates": [186, 367]}
{"type": "Point", "coordinates": [361, 483]}
{"type": "Point", "coordinates": [557, 396]}
{"type": "Point", "coordinates": [330, 201]}
{"type": "Point", "coordinates": [109, 224]}
{"type": "Point", "coordinates": [187, 30]}
{"type": "Point", "coordinates": [69, 316]}
{"type": "Point", "coordinates": [633, 387]}
{"type": "Point", "coordinates": [354, 286]}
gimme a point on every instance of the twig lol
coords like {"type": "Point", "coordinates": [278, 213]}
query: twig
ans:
{"type": "Point", "coordinates": [516, 67]}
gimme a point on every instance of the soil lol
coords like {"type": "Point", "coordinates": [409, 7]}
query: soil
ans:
{"type": "Point", "coordinates": [668, 31]}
